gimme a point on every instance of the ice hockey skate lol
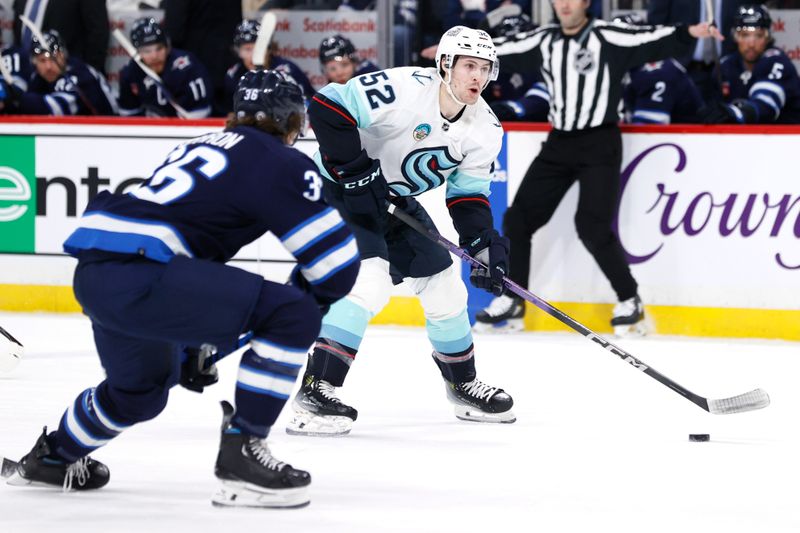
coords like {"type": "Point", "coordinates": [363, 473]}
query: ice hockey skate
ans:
{"type": "Point", "coordinates": [628, 318]}
{"type": "Point", "coordinates": [251, 476]}
{"type": "Point", "coordinates": [319, 412]}
{"type": "Point", "coordinates": [503, 315]}
{"type": "Point", "coordinates": [39, 467]}
{"type": "Point", "coordinates": [476, 401]}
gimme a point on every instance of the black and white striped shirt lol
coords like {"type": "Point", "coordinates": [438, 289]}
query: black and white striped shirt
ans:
{"type": "Point", "coordinates": [584, 72]}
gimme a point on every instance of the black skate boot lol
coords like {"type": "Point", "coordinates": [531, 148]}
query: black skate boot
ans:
{"type": "Point", "coordinates": [251, 476]}
{"type": "Point", "coordinates": [478, 402]}
{"type": "Point", "coordinates": [319, 412]}
{"type": "Point", "coordinates": [504, 315]}
{"type": "Point", "coordinates": [40, 467]}
{"type": "Point", "coordinates": [628, 319]}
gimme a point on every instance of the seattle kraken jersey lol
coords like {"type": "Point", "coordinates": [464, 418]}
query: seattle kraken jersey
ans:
{"type": "Point", "coordinates": [275, 63]}
{"type": "Point", "coordinates": [81, 90]}
{"type": "Point", "coordinates": [400, 123]}
{"type": "Point", "coordinates": [218, 192]}
{"type": "Point", "coordinates": [185, 78]}
{"type": "Point", "coordinates": [661, 93]}
{"type": "Point", "coordinates": [18, 65]}
{"type": "Point", "coordinates": [772, 87]}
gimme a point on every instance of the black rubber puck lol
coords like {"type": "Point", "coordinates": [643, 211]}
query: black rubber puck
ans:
{"type": "Point", "coordinates": [699, 437]}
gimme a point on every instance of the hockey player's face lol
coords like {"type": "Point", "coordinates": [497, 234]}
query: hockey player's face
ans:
{"type": "Point", "coordinates": [752, 42]}
{"type": "Point", "coordinates": [47, 67]}
{"type": "Point", "coordinates": [470, 75]}
{"type": "Point", "coordinates": [154, 56]}
{"type": "Point", "coordinates": [339, 70]}
{"type": "Point", "coordinates": [571, 13]}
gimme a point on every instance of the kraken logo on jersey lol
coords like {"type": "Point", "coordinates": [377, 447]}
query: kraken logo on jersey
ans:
{"type": "Point", "coordinates": [423, 169]}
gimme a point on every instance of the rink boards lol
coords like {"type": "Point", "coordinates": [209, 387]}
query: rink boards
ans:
{"type": "Point", "coordinates": [709, 218]}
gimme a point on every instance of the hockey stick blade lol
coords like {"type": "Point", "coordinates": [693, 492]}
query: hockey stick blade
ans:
{"type": "Point", "coordinates": [8, 468]}
{"type": "Point", "coordinates": [268, 23]}
{"type": "Point", "coordinates": [750, 401]}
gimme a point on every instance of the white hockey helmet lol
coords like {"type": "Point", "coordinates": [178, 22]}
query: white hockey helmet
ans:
{"type": "Point", "coordinates": [463, 41]}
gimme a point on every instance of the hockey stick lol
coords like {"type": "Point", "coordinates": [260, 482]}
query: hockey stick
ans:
{"type": "Point", "coordinates": [715, 54]}
{"type": "Point", "coordinates": [265, 31]}
{"type": "Point", "coordinates": [131, 51]}
{"type": "Point", "coordinates": [61, 67]}
{"type": "Point", "coordinates": [749, 401]}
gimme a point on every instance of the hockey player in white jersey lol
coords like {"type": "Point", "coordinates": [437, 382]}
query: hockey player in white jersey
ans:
{"type": "Point", "coordinates": [398, 133]}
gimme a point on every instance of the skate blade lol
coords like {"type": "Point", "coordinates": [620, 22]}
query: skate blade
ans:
{"type": "Point", "coordinates": [511, 325]}
{"type": "Point", "coordinates": [306, 423]}
{"type": "Point", "coordinates": [242, 494]}
{"type": "Point", "coordinates": [631, 331]}
{"type": "Point", "coordinates": [472, 414]}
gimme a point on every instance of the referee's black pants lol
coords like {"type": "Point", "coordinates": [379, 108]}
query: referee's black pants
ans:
{"type": "Point", "coordinates": [593, 158]}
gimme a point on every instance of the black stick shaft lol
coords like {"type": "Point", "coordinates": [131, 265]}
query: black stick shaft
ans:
{"type": "Point", "coordinates": [552, 311]}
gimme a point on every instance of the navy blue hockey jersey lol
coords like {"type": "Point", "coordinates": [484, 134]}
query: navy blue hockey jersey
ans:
{"type": "Point", "coordinates": [19, 65]}
{"type": "Point", "coordinates": [661, 93]}
{"type": "Point", "coordinates": [185, 78]}
{"type": "Point", "coordinates": [218, 192]}
{"type": "Point", "coordinates": [275, 63]}
{"type": "Point", "coordinates": [81, 90]}
{"type": "Point", "coordinates": [772, 87]}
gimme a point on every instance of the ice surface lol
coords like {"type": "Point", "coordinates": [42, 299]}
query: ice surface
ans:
{"type": "Point", "coordinates": [598, 446]}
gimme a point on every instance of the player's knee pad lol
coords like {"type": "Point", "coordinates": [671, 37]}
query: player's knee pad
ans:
{"type": "Point", "coordinates": [295, 323]}
{"type": "Point", "coordinates": [442, 295]}
{"type": "Point", "coordinates": [373, 286]}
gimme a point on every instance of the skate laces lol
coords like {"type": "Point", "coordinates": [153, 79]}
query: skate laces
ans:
{"type": "Point", "coordinates": [80, 470]}
{"type": "Point", "coordinates": [500, 305]}
{"type": "Point", "coordinates": [328, 391]}
{"type": "Point", "coordinates": [478, 389]}
{"type": "Point", "coordinates": [259, 449]}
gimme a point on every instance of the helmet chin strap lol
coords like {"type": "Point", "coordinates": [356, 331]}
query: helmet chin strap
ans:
{"type": "Point", "coordinates": [449, 73]}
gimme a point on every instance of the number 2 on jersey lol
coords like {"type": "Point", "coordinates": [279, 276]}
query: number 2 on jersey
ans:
{"type": "Point", "coordinates": [175, 180]}
{"type": "Point", "coordinates": [377, 96]}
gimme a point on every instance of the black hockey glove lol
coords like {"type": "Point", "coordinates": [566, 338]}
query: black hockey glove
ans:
{"type": "Point", "coordinates": [296, 279]}
{"type": "Point", "coordinates": [364, 187]}
{"type": "Point", "coordinates": [491, 249]}
{"type": "Point", "coordinates": [507, 110]}
{"type": "Point", "coordinates": [717, 113]}
{"type": "Point", "coordinates": [194, 374]}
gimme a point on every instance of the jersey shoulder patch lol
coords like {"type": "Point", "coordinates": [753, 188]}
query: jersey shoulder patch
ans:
{"type": "Point", "coordinates": [181, 62]}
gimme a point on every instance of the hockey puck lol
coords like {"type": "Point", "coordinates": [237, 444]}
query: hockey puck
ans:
{"type": "Point", "coordinates": [699, 437]}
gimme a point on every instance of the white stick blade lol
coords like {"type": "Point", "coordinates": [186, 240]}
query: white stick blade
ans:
{"type": "Point", "coordinates": [749, 401]}
{"type": "Point", "coordinates": [268, 23]}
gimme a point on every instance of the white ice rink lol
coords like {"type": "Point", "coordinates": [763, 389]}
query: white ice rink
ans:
{"type": "Point", "coordinates": [597, 445]}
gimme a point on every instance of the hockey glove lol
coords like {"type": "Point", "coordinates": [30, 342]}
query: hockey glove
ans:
{"type": "Point", "coordinates": [718, 113]}
{"type": "Point", "coordinates": [491, 249]}
{"type": "Point", "coordinates": [364, 187]}
{"type": "Point", "coordinates": [198, 370]}
{"type": "Point", "coordinates": [507, 110]}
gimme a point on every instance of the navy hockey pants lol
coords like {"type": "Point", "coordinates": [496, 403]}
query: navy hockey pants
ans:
{"type": "Point", "coordinates": [143, 312]}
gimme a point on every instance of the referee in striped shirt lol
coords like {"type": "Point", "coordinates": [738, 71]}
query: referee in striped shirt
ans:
{"type": "Point", "coordinates": [582, 60]}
